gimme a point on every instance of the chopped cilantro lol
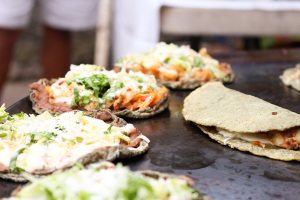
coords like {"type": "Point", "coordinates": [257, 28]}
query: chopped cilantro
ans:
{"type": "Point", "coordinates": [152, 87]}
{"type": "Point", "coordinates": [198, 62]}
{"type": "Point", "coordinates": [76, 96]}
{"type": "Point", "coordinates": [3, 114]}
{"type": "Point", "coordinates": [13, 162]}
{"type": "Point", "coordinates": [42, 136]}
{"type": "Point", "coordinates": [138, 79]}
{"type": "Point", "coordinates": [60, 127]}
{"type": "Point", "coordinates": [20, 115]}
{"type": "Point", "coordinates": [120, 84]}
{"type": "Point", "coordinates": [98, 83]}
{"type": "Point", "coordinates": [108, 131]}
{"type": "Point", "coordinates": [80, 100]}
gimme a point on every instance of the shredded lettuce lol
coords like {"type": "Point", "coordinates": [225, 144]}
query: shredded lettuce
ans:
{"type": "Point", "coordinates": [13, 162]}
{"type": "Point", "coordinates": [3, 114]}
{"type": "Point", "coordinates": [96, 85]}
{"type": "Point", "coordinates": [99, 182]}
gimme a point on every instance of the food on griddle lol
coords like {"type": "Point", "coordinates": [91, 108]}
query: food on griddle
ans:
{"type": "Point", "coordinates": [244, 122]}
{"type": "Point", "coordinates": [42, 144]}
{"type": "Point", "coordinates": [90, 87]}
{"type": "Point", "coordinates": [177, 67]}
{"type": "Point", "coordinates": [104, 181]}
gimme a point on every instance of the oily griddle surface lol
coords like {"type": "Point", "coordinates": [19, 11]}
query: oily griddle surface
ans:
{"type": "Point", "coordinates": [223, 173]}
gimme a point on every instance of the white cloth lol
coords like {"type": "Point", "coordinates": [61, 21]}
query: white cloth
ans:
{"type": "Point", "coordinates": [137, 22]}
{"type": "Point", "coordinates": [63, 14]}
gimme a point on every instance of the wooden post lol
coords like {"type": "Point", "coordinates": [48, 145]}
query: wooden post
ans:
{"type": "Point", "coordinates": [103, 32]}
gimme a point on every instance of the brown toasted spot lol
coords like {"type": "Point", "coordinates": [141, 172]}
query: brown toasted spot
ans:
{"type": "Point", "coordinates": [274, 113]}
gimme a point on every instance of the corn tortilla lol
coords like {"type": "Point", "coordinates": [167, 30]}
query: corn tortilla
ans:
{"type": "Point", "coordinates": [214, 107]}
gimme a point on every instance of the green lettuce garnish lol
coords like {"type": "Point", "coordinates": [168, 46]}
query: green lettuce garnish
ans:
{"type": "Point", "coordinates": [98, 83]}
{"type": "Point", "coordinates": [120, 183]}
{"type": "Point", "coordinates": [3, 114]}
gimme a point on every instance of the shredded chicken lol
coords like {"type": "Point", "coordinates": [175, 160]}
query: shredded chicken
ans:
{"type": "Point", "coordinates": [289, 139]}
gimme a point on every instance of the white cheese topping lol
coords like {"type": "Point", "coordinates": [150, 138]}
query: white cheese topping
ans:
{"type": "Point", "coordinates": [53, 142]}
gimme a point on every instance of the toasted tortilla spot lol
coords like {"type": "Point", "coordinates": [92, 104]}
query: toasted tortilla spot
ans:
{"type": "Point", "coordinates": [215, 105]}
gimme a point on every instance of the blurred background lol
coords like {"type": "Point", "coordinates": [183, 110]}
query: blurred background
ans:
{"type": "Point", "coordinates": [129, 26]}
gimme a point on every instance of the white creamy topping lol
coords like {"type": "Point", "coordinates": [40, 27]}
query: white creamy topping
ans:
{"type": "Point", "coordinates": [54, 142]}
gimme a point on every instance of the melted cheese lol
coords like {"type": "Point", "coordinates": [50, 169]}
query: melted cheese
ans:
{"type": "Point", "coordinates": [250, 137]}
{"type": "Point", "coordinates": [53, 142]}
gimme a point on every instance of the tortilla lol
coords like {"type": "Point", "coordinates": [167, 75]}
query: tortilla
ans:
{"type": "Point", "coordinates": [214, 108]}
{"type": "Point", "coordinates": [138, 145]}
{"type": "Point", "coordinates": [291, 77]}
{"type": "Point", "coordinates": [36, 98]}
{"type": "Point", "coordinates": [177, 67]}
{"type": "Point", "coordinates": [41, 100]}
{"type": "Point", "coordinates": [128, 185]}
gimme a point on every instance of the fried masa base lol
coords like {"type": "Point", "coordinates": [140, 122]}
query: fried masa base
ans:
{"type": "Point", "coordinates": [109, 153]}
{"type": "Point", "coordinates": [35, 97]}
{"type": "Point", "coordinates": [191, 83]}
{"type": "Point", "coordinates": [242, 145]}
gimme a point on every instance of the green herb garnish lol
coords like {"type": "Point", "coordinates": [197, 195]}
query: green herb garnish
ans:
{"type": "Point", "coordinates": [3, 114]}
{"type": "Point", "coordinates": [98, 83]}
{"type": "Point", "coordinates": [120, 85]}
{"type": "Point", "coordinates": [43, 136]}
{"type": "Point", "coordinates": [108, 131]}
{"type": "Point", "coordinates": [76, 96]}
{"type": "Point", "coordinates": [198, 62]}
{"type": "Point", "coordinates": [60, 127]}
{"type": "Point", "coordinates": [13, 162]}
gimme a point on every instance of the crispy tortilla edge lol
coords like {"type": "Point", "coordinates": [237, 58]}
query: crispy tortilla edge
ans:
{"type": "Point", "coordinates": [190, 83]}
{"type": "Point", "coordinates": [234, 143]}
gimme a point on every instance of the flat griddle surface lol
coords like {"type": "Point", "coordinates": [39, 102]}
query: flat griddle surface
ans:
{"type": "Point", "coordinates": [223, 173]}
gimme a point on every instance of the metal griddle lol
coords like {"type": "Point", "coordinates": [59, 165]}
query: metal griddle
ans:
{"type": "Point", "coordinates": [179, 147]}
